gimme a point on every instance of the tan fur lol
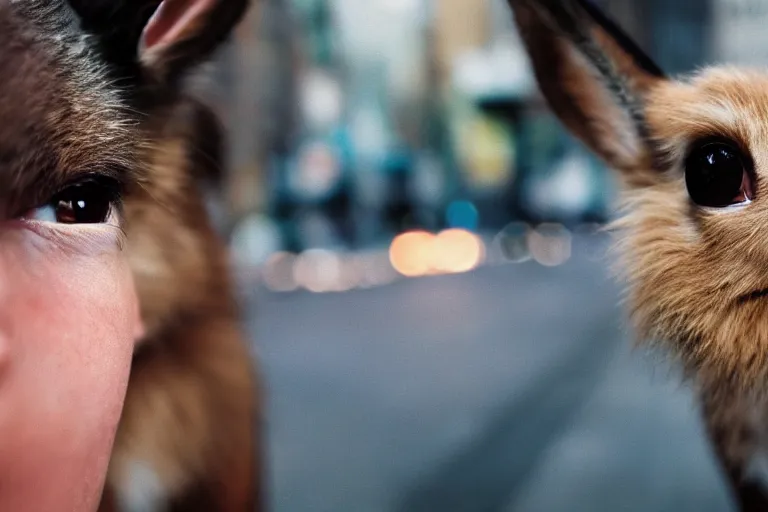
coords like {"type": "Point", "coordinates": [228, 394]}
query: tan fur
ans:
{"type": "Point", "coordinates": [693, 273]}
{"type": "Point", "coordinates": [687, 272]}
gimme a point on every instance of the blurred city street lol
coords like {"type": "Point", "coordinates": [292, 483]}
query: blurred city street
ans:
{"type": "Point", "coordinates": [401, 204]}
{"type": "Point", "coordinates": [511, 388]}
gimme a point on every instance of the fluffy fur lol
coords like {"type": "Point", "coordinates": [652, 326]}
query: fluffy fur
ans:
{"type": "Point", "coordinates": [695, 276]}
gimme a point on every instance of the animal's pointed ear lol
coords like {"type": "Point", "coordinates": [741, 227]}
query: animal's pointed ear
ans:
{"type": "Point", "coordinates": [164, 38]}
{"type": "Point", "coordinates": [592, 75]}
{"type": "Point", "coordinates": [182, 33]}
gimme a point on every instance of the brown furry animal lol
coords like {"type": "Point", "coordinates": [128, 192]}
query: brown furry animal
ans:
{"type": "Point", "coordinates": [186, 437]}
{"type": "Point", "coordinates": [692, 155]}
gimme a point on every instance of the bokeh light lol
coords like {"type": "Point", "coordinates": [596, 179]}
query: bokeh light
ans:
{"type": "Point", "coordinates": [463, 214]}
{"type": "Point", "coordinates": [411, 253]}
{"type": "Point", "coordinates": [456, 251]}
{"type": "Point", "coordinates": [278, 272]}
{"type": "Point", "coordinates": [453, 251]}
{"type": "Point", "coordinates": [550, 244]}
{"type": "Point", "coordinates": [511, 243]}
{"type": "Point", "coordinates": [317, 270]}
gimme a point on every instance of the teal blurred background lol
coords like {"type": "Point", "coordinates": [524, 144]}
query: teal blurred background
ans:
{"type": "Point", "coordinates": [353, 122]}
{"type": "Point", "coordinates": [417, 241]}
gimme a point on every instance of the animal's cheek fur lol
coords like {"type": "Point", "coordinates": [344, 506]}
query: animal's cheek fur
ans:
{"type": "Point", "coordinates": [165, 258]}
{"type": "Point", "coordinates": [166, 251]}
{"type": "Point", "coordinates": [686, 274]}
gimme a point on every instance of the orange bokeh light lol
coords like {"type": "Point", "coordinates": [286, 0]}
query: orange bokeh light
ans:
{"type": "Point", "coordinates": [457, 251]}
{"type": "Point", "coordinates": [419, 253]}
{"type": "Point", "coordinates": [411, 253]}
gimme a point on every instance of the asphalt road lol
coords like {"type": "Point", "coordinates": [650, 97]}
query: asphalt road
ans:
{"type": "Point", "coordinates": [513, 388]}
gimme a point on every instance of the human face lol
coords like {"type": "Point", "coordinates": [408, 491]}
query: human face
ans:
{"type": "Point", "coordinates": [68, 320]}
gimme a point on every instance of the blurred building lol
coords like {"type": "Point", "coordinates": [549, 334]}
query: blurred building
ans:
{"type": "Point", "coordinates": [353, 121]}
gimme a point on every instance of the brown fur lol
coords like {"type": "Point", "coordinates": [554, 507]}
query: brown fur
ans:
{"type": "Point", "coordinates": [59, 121]}
{"type": "Point", "coordinates": [190, 412]}
{"type": "Point", "coordinates": [691, 271]}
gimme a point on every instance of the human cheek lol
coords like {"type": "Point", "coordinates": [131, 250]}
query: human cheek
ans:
{"type": "Point", "coordinates": [67, 324]}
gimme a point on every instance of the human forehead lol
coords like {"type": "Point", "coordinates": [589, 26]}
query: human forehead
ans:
{"type": "Point", "coordinates": [59, 112]}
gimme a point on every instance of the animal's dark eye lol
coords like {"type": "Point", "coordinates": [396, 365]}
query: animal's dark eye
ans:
{"type": "Point", "coordinates": [717, 175]}
{"type": "Point", "coordinates": [89, 202]}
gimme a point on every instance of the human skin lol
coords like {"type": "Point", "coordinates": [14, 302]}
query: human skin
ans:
{"type": "Point", "coordinates": [68, 321]}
